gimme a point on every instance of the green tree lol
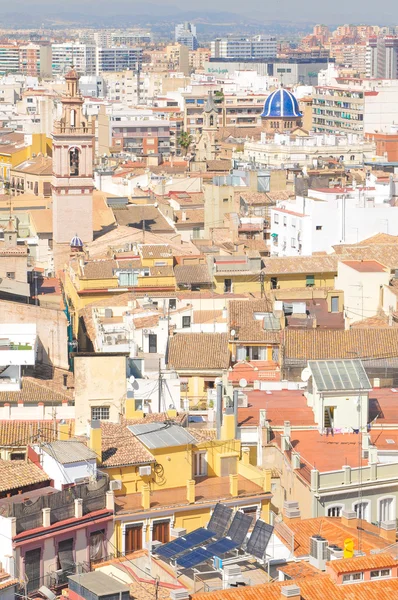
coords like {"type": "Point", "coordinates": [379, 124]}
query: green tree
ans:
{"type": "Point", "coordinates": [185, 140]}
{"type": "Point", "coordinates": [218, 96]}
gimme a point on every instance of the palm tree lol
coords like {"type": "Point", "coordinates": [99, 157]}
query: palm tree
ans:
{"type": "Point", "coordinates": [185, 140]}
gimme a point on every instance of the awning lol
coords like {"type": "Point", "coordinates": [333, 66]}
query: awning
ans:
{"type": "Point", "coordinates": [274, 235]}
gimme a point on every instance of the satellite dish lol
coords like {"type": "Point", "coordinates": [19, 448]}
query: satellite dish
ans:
{"type": "Point", "coordinates": [233, 332]}
{"type": "Point", "coordinates": [305, 374]}
{"type": "Point", "coordinates": [47, 593]}
{"type": "Point", "coordinates": [242, 382]}
{"type": "Point", "coordinates": [131, 379]}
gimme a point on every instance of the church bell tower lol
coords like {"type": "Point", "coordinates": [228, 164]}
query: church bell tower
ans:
{"type": "Point", "coordinates": [72, 181]}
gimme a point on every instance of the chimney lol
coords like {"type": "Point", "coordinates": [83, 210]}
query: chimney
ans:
{"type": "Point", "coordinates": [349, 519]}
{"type": "Point", "coordinates": [290, 591]}
{"type": "Point", "coordinates": [183, 216]}
{"type": "Point", "coordinates": [65, 381]}
{"type": "Point", "coordinates": [388, 531]}
{"type": "Point", "coordinates": [95, 442]}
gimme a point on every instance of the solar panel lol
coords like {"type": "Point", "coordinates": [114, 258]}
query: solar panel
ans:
{"type": "Point", "coordinates": [220, 519]}
{"type": "Point", "coordinates": [221, 547]}
{"type": "Point", "coordinates": [239, 527]}
{"type": "Point", "coordinates": [182, 544]}
{"type": "Point", "coordinates": [175, 547]}
{"type": "Point", "coordinates": [339, 375]}
{"type": "Point", "coordinates": [258, 542]}
{"type": "Point", "coordinates": [194, 558]}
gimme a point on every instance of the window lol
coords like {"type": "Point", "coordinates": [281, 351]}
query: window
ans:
{"type": "Point", "coordinates": [274, 283]}
{"type": "Point", "coordinates": [225, 199]}
{"type": "Point", "coordinates": [32, 569]}
{"type": "Point", "coordinates": [293, 243]}
{"type": "Point", "coordinates": [153, 343]}
{"type": "Point", "coordinates": [284, 221]}
{"type": "Point", "coordinates": [127, 278]}
{"type": "Point", "coordinates": [310, 280]}
{"type": "Point", "coordinates": [276, 219]}
{"type": "Point", "coordinates": [362, 510]}
{"type": "Point", "coordinates": [380, 573]}
{"type": "Point", "coordinates": [186, 322]}
{"type": "Point", "coordinates": [172, 303]}
{"type": "Point", "coordinates": [196, 233]}
{"type": "Point", "coordinates": [97, 545]}
{"type": "Point", "coordinates": [351, 577]}
{"type": "Point", "coordinates": [387, 509]}
{"type": "Point", "coordinates": [200, 464]}
{"type": "Point", "coordinates": [352, 157]}
{"type": "Point", "coordinates": [133, 538]}
{"type": "Point", "coordinates": [100, 413]}
{"type": "Point", "coordinates": [227, 286]}
{"type": "Point", "coordinates": [335, 511]}
{"type": "Point", "coordinates": [318, 227]}
{"type": "Point", "coordinates": [161, 531]}
{"type": "Point", "coordinates": [275, 353]}
{"type": "Point", "coordinates": [74, 162]}
{"type": "Point", "coordinates": [18, 456]}
{"type": "Point", "coordinates": [10, 275]}
{"type": "Point", "coordinates": [65, 558]}
{"type": "Point", "coordinates": [335, 304]}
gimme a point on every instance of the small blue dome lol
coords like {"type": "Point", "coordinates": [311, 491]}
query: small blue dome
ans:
{"type": "Point", "coordinates": [281, 103]}
{"type": "Point", "coordinates": [76, 242]}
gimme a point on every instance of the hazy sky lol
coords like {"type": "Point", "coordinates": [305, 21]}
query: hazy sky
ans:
{"type": "Point", "coordinates": [338, 11]}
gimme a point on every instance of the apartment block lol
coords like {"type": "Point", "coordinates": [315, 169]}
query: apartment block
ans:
{"type": "Point", "coordinates": [35, 60]}
{"type": "Point", "coordinates": [244, 48]}
{"type": "Point", "coordinates": [118, 58]}
{"type": "Point", "coordinates": [9, 59]}
{"type": "Point", "coordinates": [73, 54]}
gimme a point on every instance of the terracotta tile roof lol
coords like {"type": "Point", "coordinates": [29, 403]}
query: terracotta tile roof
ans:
{"type": "Point", "coordinates": [363, 563]}
{"type": "Point", "coordinates": [149, 321]}
{"type": "Point", "coordinates": [136, 216]}
{"type": "Point", "coordinates": [247, 328]}
{"type": "Point", "coordinates": [192, 274]}
{"type": "Point", "coordinates": [199, 351]}
{"type": "Point", "coordinates": [255, 198]}
{"type": "Point", "coordinates": [298, 570]}
{"type": "Point", "coordinates": [386, 254]}
{"type": "Point", "coordinates": [42, 220]}
{"type": "Point", "coordinates": [279, 195]}
{"type": "Point", "coordinates": [301, 264]}
{"type": "Point", "coordinates": [99, 269]}
{"type": "Point", "coordinates": [19, 474]}
{"type": "Point", "coordinates": [334, 532]}
{"type": "Point", "coordinates": [311, 588]}
{"type": "Point", "coordinates": [365, 266]}
{"type": "Point", "coordinates": [376, 321]}
{"type": "Point", "coordinates": [10, 582]}
{"type": "Point", "coordinates": [34, 391]}
{"type": "Point", "coordinates": [219, 165]}
{"type": "Point", "coordinates": [195, 216]}
{"type": "Point", "coordinates": [379, 238]}
{"type": "Point", "coordinates": [13, 251]}
{"type": "Point", "coordinates": [202, 435]}
{"type": "Point", "coordinates": [166, 271]}
{"type": "Point", "coordinates": [40, 165]}
{"type": "Point", "coordinates": [313, 344]}
{"type": "Point", "coordinates": [21, 433]}
{"type": "Point", "coordinates": [120, 447]}
{"type": "Point", "coordinates": [155, 250]}
{"type": "Point", "coordinates": [208, 316]}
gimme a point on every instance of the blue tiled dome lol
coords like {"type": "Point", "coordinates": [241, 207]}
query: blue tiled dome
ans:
{"type": "Point", "coordinates": [76, 242]}
{"type": "Point", "coordinates": [281, 103]}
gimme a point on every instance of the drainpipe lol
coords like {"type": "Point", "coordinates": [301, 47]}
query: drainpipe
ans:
{"type": "Point", "coordinates": [235, 403]}
{"type": "Point", "coordinates": [219, 409]}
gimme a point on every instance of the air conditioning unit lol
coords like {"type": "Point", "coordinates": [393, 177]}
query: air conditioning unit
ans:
{"type": "Point", "coordinates": [334, 552]}
{"type": "Point", "coordinates": [145, 471]}
{"type": "Point", "coordinates": [179, 594]}
{"type": "Point", "coordinates": [318, 554]}
{"type": "Point", "coordinates": [177, 532]}
{"type": "Point", "coordinates": [114, 485]}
